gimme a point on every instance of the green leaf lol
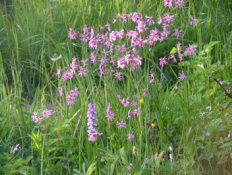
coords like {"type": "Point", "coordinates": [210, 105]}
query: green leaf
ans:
{"type": "Point", "coordinates": [123, 156]}
{"type": "Point", "coordinates": [112, 166]}
{"type": "Point", "coordinates": [184, 63]}
{"type": "Point", "coordinates": [91, 169]}
{"type": "Point", "coordinates": [208, 47]}
{"type": "Point", "coordinates": [226, 145]}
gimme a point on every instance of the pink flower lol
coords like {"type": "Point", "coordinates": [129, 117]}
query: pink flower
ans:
{"type": "Point", "coordinates": [180, 56]}
{"type": "Point", "coordinates": [108, 27]}
{"type": "Point", "coordinates": [72, 34]}
{"type": "Point", "coordinates": [152, 77]}
{"type": "Point", "coordinates": [109, 113]}
{"type": "Point", "coordinates": [168, 3]}
{"type": "Point", "coordinates": [149, 20]}
{"type": "Point", "coordinates": [128, 58]}
{"type": "Point", "coordinates": [113, 36]}
{"type": "Point", "coordinates": [82, 72]}
{"type": "Point", "coordinates": [151, 74]}
{"type": "Point", "coordinates": [130, 136]}
{"type": "Point", "coordinates": [145, 92]}
{"type": "Point", "coordinates": [17, 148]}
{"type": "Point", "coordinates": [129, 114]}
{"type": "Point", "coordinates": [180, 3]}
{"type": "Point", "coordinates": [137, 112]}
{"type": "Point", "coordinates": [74, 64]}
{"type": "Point", "coordinates": [135, 17]}
{"type": "Point", "coordinates": [193, 21]}
{"type": "Point", "coordinates": [61, 91]}
{"type": "Point", "coordinates": [134, 103]}
{"type": "Point", "coordinates": [58, 72]}
{"type": "Point", "coordinates": [47, 113]}
{"type": "Point", "coordinates": [163, 61]}
{"type": "Point", "coordinates": [191, 49]}
{"type": "Point", "coordinates": [93, 57]}
{"type": "Point", "coordinates": [36, 118]}
{"type": "Point", "coordinates": [121, 124]}
{"type": "Point", "coordinates": [74, 92]}
{"type": "Point", "coordinates": [68, 75]}
{"type": "Point", "coordinates": [120, 34]}
{"type": "Point", "coordinates": [129, 166]}
{"type": "Point", "coordinates": [182, 76]}
{"type": "Point", "coordinates": [167, 18]}
{"type": "Point", "coordinates": [172, 57]}
{"type": "Point", "coordinates": [207, 133]}
{"type": "Point", "coordinates": [39, 119]}
{"type": "Point", "coordinates": [120, 48]}
{"type": "Point", "coordinates": [136, 61]}
{"type": "Point", "coordinates": [118, 76]}
{"type": "Point", "coordinates": [70, 100]}
{"type": "Point", "coordinates": [121, 63]}
{"type": "Point", "coordinates": [177, 33]}
{"type": "Point", "coordinates": [141, 26]}
{"type": "Point", "coordinates": [84, 62]}
{"type": "Point", "coordinates": [221, 82]}
{"type": "Point", "coordinates": [160, 20]}
{"type": "Point", "coordinates": [176, 88]}
{"type": "Point", "coordinates": [125, 102]}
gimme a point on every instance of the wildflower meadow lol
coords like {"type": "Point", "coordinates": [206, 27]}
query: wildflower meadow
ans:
{"type": "Point", "coordinates": [116, 87]}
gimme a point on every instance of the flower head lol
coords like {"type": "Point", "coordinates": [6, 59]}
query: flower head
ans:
{"type": "Point", "coordinates": [121, 124]}
{"type": "Point", "coordinates": [130, 136]}
{"type": "Point", "coordinates": [109, 113]}
{"type": "Point", "coordinates": [17, 148]}
{"type": "Point", "coordinates": [168, 3]}
{"type": "Point", "coordinates": [207, 133]}
{"type": "Point", "coordinates": [193, 21]}
{"type": "Point", "coordinates": [72, 34]}
{"type": "Point", "coordinates": [125, 102]}
{"type": "Point", "coordinates": [47, 113]}
{"type": "Point", "coordinates": [163, 61]}
{"type": "Point", "coordinates": [182, 76]}
{"type": "Point", "coordinates": [92, 122]}
{"type": "Point", "coordinates": [180, 3]}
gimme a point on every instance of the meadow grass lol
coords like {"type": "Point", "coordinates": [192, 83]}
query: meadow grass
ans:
{"type": "Point", "coordinates": [193, 119]}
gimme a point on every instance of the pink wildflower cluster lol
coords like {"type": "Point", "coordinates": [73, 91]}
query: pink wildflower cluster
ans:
{"type": "Point", "coordinates": [189, 50]}
{"type": "Point", "coordinates": [136, 111]}
{"type": "Point", "coordinates": [169, 3]}
{"type": "Point", "coordinates": [112, 57]}
{"type": "Point", "coordinates": [45, 114]}
{"type": "Point", "coordinates": [72, 71]}
{"type": "Point", "coordinates": [116, 51]}
{"type": "Point", "coordinates": [71, 99]}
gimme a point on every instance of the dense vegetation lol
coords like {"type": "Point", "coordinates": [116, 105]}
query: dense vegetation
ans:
{"type": "Point", "coordinates": [116, 87]}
